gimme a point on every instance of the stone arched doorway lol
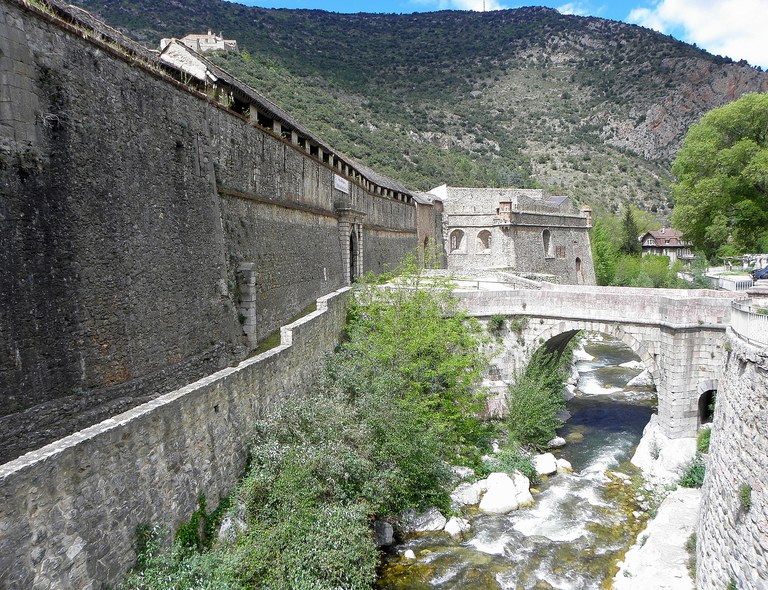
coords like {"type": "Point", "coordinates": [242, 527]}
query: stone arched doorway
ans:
{"type": "Point", "coordinates": [579, 271]}
{"type": "Point", "coordinates": [353, 256]}
{"type": "Point", "coordinates": [706, 406]}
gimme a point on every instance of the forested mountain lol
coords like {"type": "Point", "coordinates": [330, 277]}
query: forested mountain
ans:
{"type": "Point", "coordinates": [578, 105]}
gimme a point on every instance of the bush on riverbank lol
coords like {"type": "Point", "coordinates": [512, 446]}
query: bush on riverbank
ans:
{"type": "Point", "coordinates": [398, 402]}
{"type": "Point", "coordinates": [535, 399]}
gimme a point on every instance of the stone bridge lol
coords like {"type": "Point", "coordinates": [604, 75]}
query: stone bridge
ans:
{"type": "Point", "coordinates": [678, 334]}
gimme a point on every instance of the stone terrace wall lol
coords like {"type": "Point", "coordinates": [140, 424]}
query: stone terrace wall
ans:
{"type": "Point", "coordinates": [733, 542]}
{"type": "Point", "coordinates": [69, 511]}
{"type": "Point", "coordinates": [128, 203]}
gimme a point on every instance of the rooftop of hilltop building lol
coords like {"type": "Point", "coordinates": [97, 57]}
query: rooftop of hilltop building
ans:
{"type": "Point", "coordinates": [205, 42]}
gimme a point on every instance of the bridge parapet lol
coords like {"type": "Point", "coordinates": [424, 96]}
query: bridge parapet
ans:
{"type": "Point", "coordinates": [748, 324]}
{"type": "Point", "coordinates": [664, 307]}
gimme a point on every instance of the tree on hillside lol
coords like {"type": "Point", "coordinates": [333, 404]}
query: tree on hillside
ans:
{"type": "Point", "coordinates": [721, 191]}
{"type": "Point", "coordinates": [630, 243]}
{"type": "Point", "coordinates": [604, 255]}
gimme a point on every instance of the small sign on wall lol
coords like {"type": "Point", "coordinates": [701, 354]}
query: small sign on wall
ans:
{"type": "Point", "coordinates": [341, 184]}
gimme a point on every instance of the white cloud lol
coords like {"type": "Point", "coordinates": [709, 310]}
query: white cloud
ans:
{"type": "Point", "coordinates": [735, 28]}
{"type": "Point", "coordinates": [477, 5]}
{"type": "Point", "coordinates": [575, 8]}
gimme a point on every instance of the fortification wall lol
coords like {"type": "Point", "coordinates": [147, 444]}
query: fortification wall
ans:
{"type": "Point", "coordinates": [733, 541]}
{"type": "Point", "coordinates": [69, 511]}
{"type": "Point", "coordinates": [128, 204]}
{"type": "Point", "coordinates": [567, 245]}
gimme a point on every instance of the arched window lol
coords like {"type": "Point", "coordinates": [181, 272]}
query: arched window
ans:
{"type": "Point", "coordinates": [547, 239]}
{"type": "Point", "coordinates": [484, 241]}
{"type": "Point", "coordinates": [579, 272]}
{"type": "Point", "coordinates": [457, 240]}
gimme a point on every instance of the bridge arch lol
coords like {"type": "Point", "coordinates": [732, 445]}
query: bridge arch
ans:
{"type": "Point", "coordinates": [555, 338]}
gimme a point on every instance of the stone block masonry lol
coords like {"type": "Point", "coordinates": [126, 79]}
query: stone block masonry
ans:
{"type": "Point", "coordinates": [128, 204]}
{"type": "Point", "coordinates": [732, 537]}
{"type": "Point", "coordinates": [69, 511]}
{"type": "Point", "coordinates": [678, 335]}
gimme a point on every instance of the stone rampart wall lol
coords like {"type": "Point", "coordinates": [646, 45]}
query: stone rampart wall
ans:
{"type": "Point", "coordinates": [69, 511]}
{"type": "Point", "coordinates": [129, 203]}
{"type": "Point", "coordinates": [733, 540]}
{"type": "Point", "coordinates": [567, 244]}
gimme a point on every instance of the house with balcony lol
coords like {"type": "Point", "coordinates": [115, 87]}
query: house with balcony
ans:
{"type": "Point", "coordinates": [668, 242]}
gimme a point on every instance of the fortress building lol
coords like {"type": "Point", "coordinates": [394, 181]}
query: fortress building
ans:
{"type": "Point", "coordinates": [522, 230]}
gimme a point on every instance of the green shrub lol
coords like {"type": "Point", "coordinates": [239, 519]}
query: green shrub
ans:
{"type": "Point", "coordinates": [690, 546]}
{"type": "Point", "coordinates": [745, 497]}
{"type": "Point", "coordinates": [702, 440]}
{"type": "Point", "coordinates": [534, 400]}
{"type": "Point", "coordinates": [177, 567]}
{"type": "Point", "coordinates": [693, 475]}
{"type": "Point", "coordinates": [513, 458]}
{"type": "Point", "coordinates": [495, 323]}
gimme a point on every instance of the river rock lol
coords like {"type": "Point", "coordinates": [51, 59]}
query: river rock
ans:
{"type": "Point", "coordinates": [662, 459]}
{"type": "Point", "coordinates": [564, 466]}
{"type": "Point", "coordinates": [460, 472]}
{"type": "Point", "coordinates": [545, 464]}
{"type": "Point", "coordinates": [466, 494]}
{"type": "Point", "coordinates": [556, 443]}
{"type": "Point", "coordinates": [383, 533]}
{"type": "Point", "coordinates": [633, 365]}
{"type": "Point", "coordinates": [569, 391]}
{"type": "Point", "coordinates": [409, 554]}
{"type": "Point", "coordinates": [456, 526]}
{"type": "Point", "coordinates": [233, 524]}
{"type": "Point", "coordinates": [644, 379]}
{"type": "Point", "coordinates": [506, 493]}
{"type": "Point", "coordinates": [579, 354]}
{"type": "Point", "coordinates": [429, 521]}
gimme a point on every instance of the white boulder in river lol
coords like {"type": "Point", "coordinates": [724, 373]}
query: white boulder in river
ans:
{"type": "Point", "coordinates": [644, 379]}
{"type": "Point", "coordinates": [506, 493]}
{"type": "Point", "coordinates": [426, 522]}
{"type": "Point", "coordinates": [466, 494]}
{"type": "Point", "coordinates": [545, 464]}
{"type": "Point", "coordinates": [456, 526]}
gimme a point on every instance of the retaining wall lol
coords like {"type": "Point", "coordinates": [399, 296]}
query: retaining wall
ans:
{"type": "Point", "coordinates": [733, 541]}
{"type": "Point", "coordinates": [69, 511]}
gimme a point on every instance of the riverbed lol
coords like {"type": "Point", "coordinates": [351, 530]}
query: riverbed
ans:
{"type": "Point", "coordinates": [580, 524]}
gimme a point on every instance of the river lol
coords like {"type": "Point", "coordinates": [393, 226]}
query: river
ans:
{"type": "Point", "coordinates": [580, 523]}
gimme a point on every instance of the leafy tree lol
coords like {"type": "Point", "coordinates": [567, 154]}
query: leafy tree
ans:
{"type": "Point", "coordinates": [721, 191]}
{"type": "Point", "coordinates": [630, 243]}
{"type": "Point", "coordinates": [603, 254]}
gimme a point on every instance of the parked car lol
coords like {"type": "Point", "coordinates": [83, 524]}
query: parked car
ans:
{"type": "Point", "coordinates": [760, 273]}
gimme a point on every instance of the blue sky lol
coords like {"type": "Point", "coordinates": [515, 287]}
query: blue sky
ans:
{"type": "Point", "coordinates": [734, 28]}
